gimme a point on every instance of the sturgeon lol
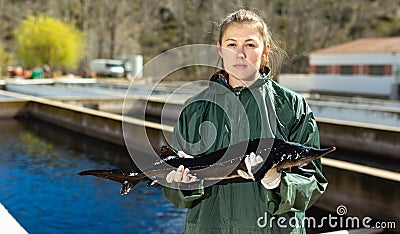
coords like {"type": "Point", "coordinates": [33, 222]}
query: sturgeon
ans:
{"type": "Point", "coordinates": [219, 165]}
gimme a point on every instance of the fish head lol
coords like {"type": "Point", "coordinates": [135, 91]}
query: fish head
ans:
{"type": "Point", "coordinates": [301, 157]}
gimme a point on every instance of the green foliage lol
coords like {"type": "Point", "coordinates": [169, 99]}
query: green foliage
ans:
{"type": "Point", "coordinates": [43, 39]}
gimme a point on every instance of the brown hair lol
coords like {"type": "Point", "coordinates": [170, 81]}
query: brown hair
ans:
{"type": "Point", "coordinates": [275, 56]}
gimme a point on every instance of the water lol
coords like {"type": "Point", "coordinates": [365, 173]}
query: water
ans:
{"type": "Point", "coordinates": [40, 188]}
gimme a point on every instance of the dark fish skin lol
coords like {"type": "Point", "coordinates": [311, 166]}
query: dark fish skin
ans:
{"type": "Point", "coordinates": [221, 164]}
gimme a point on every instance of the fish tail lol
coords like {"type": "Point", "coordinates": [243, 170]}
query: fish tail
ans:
{"type": "Point", "coordinates": [128, 179]}
{"type": "Point", "coordinates": [91, 172]}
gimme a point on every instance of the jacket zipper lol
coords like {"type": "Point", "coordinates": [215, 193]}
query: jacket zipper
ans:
{"type": "Point", "coordinates": [238, 95]}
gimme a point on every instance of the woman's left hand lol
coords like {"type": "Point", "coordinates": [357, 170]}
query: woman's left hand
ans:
{"type": "Point", "coordinates": [270, 180]}
{"type": "Point", "coordinates": [181, 175]}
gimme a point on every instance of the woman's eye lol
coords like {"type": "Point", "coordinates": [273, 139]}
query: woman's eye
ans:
{"type": "Point", "coordinates": [231, 45]}
{"type": "Point", "coordinates": [251, 45]}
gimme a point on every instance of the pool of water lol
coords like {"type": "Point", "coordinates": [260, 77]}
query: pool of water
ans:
{"type": "Point", "coordinates": [40, 188]}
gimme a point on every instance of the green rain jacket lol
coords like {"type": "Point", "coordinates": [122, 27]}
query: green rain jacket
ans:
{"type": "Point", "coordinates": [220, 116]}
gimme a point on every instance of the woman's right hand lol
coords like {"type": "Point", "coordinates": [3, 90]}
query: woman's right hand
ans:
{"type": "Point", "coordinates": [181, 175]}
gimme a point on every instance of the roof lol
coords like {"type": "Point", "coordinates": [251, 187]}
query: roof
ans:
{"type": "Point", "coordinates": [366, 45]}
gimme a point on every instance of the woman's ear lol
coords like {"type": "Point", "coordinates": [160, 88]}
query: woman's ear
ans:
{"type": "Point", "coordinates": [266, 50]}
{"type": "Point", "coordinates": [264, 56]}
{"type": "Point", "coordinates": [219, 49]}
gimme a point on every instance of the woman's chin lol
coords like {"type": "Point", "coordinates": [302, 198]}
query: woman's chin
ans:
{"type": "Point", "coordinates": [243, 75]}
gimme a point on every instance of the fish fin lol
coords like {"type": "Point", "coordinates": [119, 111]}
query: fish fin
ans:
{"type": "Point", "coordinates": [127, 186]}
{"type": "Point", "coordinates": [152, 183]}
{"type": "Point", "coordinates": [303, 165]}
{"type": "Point", "coordinates": [166, 151]}
{"type": "Point", "coordinates": [251, 161]}
{"type": "Point", "coordinates": [259, 159]}
{"type": "Point", "coordinates": [249, 173]}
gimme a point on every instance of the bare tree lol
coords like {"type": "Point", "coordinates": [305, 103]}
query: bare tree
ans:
{"type": "Point", "coordinates": [114, 28]}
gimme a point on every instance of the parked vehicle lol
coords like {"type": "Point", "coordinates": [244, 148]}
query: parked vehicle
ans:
{"type": "Point", "coordinates": [108, 67]}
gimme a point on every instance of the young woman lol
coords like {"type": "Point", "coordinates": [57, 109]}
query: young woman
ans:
{"type": "Point", "coordinates": [242, 103]}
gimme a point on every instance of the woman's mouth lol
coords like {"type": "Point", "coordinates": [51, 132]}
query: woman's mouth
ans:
{"type": "Point", "coordinates": [240, 66]}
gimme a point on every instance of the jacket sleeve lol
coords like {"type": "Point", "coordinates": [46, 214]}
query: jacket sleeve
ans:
{"type": "Point", "coordinates": [182, 198]}
{"type": "Point", "coordinates": [302, 186]}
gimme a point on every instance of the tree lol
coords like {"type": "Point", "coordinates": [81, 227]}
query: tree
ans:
{"type": "Point", "coordinates": [45, 40]}
{"type": "Point", "coordinates": [4, 61]}
{"type": "Point", "coordinates": [112, 27]}
{"type": "Point", "coordinates": [126, 27]}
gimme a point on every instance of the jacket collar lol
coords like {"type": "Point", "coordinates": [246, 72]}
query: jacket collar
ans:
{"type": "Point", "coordinates": [219, 85]}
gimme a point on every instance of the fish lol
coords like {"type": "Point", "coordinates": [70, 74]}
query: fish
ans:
{"type": "Point", "coordinates": [218, 165]}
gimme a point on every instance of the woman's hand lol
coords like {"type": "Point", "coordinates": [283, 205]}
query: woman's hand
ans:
{"type": "Point", "coordinates": [271, 179]}
{"type": "Point", "coordinates": [181, 175]}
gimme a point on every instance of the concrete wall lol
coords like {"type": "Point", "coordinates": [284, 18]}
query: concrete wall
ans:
{"type": "Point", "coordinates": [377, 139]}
{"type": "Point", "coordinates": [8, 222]}
{"type": "Point", "coordinates": [107, 126]}
{"type": "Point", "coordinates": [355, 58]}
{"type": "Point", "coordinates": [345, 84]}
{"type": "Point", "coordinates": [352, 135]}
{"type": "Point", "coordinates": [155, 107]}
{"type": "Point", "coordinates": [125, 131]}
{"type": "Point", "coordinates": [12, 108]}
{"type": "Point", "coordinates": [363, 113]}
{"type": "Point", "coordinates": [93, 123]}
{"type": "Point", "coordinates": [296, 82]}
{"type": "Point", "coordinates": [112, 105]}
{"type": "Point", "coordinates": [355, 84]}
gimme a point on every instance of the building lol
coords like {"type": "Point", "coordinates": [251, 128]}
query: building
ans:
{"type": "Point", "coordinates": [368, 66]}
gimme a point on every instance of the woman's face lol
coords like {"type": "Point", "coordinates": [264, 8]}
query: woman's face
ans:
{"type": "Point", "coordinates": [242, 51]}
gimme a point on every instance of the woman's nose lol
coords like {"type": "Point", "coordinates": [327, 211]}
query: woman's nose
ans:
{"type": "Point", "coordinates": [240, 53]}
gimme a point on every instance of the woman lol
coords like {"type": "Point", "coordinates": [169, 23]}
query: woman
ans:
{"type": "Point", "coordinates": [242, 103]}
